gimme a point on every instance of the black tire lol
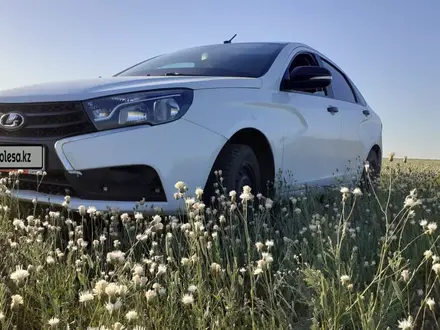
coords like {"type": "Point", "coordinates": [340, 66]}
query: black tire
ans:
{"type": "Point", "coordinates": [239, 167]}
{"type": "Point", "coordinates": [373, 171]}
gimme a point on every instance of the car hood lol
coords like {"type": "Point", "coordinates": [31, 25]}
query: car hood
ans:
{"type": "Point", "coordinates": [79, 90]}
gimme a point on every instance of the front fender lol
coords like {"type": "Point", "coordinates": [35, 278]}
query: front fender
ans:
{"type": "Point", "coordinates": [239, 109]}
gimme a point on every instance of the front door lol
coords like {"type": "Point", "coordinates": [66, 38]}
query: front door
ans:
{"type": "Point", "coordinates": [312, 146]}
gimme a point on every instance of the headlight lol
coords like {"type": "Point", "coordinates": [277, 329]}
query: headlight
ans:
{"type": "Point", "coordinates": [153, 107]}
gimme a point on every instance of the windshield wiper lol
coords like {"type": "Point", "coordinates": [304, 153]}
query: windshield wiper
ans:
{"type": "Point", "coordinates": [175, 74]}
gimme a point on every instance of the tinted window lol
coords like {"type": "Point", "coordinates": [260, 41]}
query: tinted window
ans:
{"type": "Point", "coordinates": [359, 96]}
{"type": "Point", "coordinates": [226, 60]}
{"type": "Point", "coordinates": [341, 89]}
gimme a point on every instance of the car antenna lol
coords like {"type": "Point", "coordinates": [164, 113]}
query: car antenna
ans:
{"type": "Point", "coordinates": [229, 41]}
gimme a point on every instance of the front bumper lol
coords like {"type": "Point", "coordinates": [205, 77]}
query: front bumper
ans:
{"type": "Point", "coordinates": [151, 159]}
{"type": "Point", "coordinates": [125, 183]}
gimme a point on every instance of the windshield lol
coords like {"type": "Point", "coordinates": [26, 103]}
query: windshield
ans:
{"type": "Point", "coordinates": [224, 60]}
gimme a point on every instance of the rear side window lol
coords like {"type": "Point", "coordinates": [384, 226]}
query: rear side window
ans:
{"type": "Point", "coordinates": [359, 96]}
{"type": "Point", "coordinates": [341, 88]}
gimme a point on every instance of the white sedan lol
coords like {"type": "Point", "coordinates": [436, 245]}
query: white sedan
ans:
{"type": "Point", "coordinates": [252, 110]}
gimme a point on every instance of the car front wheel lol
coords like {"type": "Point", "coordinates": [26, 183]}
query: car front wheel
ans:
{"type": "Point", "coordinates": [240, 167]}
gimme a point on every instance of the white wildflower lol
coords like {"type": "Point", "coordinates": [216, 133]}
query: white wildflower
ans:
{"type": "Point", "coordinates": [19, 276]}
{"type": "Point", "coordinates": [246, 194]}
{"type": "Point", "coordinates": [125, 217]}
{"type": "Point", "coordinates": [116, 257]}
{"type": "Point", "coordinates": [161, 269]}
{"type": "Point", "coordinates": [18, 224]}
{"type": "Point", "coordinates": [345, 191]}
{"type": "Point", "coordinates": [431, 228]}
{"type": "Point", "coordinates": [111, 307]}
{"type": "Point", "coordinates": [199, 193]}
{"type": "Point", "coordinates": [436, 268]}
{"type": "Point", "coordinates": [345, 279]}
{"type": "Point", "coordinates": [406, 324]}
{"type": "Point", "coordinates": [357, 192]}
{"type": "Point", "coordinates": [259, 246]}
{"type": "Point", "coordinates": [138, 270]}
{"type": "Point", "coordinates": [269, 203]}
{"type": "Point", "coordinates": [112, 289]}
{"type": "Point", "coordinates": [431, 303]}
{"type": "Point", "coordinates": [50, 260]}
{"type": "Point", "coordinates": [85, 297]}
{"type": "Point", "coordinates": [150, 295]}
{"type": "Point", "coordinates": [82, 210]}
{"type": "Point", "coordinates": [215, 268]}
{"type": "Point", "coordinates": [17, 300]}
{"type": "Point", "coordinates": [54, 215]}
{"type": "Point", "coordinates": [188, 299]}
{"type": "Point", "coordinates": [118, 326]}
{"type": "Point", "coordinates": [411, 202]}
{"type": "Point", "coordinates": [54, 321]}
{"type": "Point", "coordinates": [100, 286]}
{"type": "Point", "coordinates": [405, 275]}
{"type": "Point", "coordinates": [267, 257]}
{"type": "Point", "coordinates": [156, 219]}
{"type": "Point", "coordinates": [427, 254]}
{"type": "Point", "coordinates": [131, 315]}
{"type": "Point", "coordinates": [185, 261]}
{"type": "Point", "coordinates": [180, 186]}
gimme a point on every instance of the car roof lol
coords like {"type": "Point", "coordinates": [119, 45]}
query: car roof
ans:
{"type": "Point", "coordinates": [284, 44]}
{"type": "Point", "coordinates": [281, 43]}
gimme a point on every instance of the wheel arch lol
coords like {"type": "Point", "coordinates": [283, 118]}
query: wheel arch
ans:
{"type": "Point", "coordinates": [376, 148]}
{"type": "Point", "coordinates": [260, 145]}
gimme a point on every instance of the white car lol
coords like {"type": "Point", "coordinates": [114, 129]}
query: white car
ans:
{"type": "Point", "coordinates": [252, 110]}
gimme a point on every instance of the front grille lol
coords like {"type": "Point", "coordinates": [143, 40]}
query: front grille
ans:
{"type": "Point", "coordinates": [44, 120]}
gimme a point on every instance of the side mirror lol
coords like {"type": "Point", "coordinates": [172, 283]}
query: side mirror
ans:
{"type": "Point", "coordinates": [309, 77]}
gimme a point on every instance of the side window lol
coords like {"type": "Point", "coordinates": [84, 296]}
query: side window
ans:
{"type": "Point", "coordinates": [303, 59]}
{"type": "Point", "coordinates": [341, 88]}
{"type": "Point", "coordinates": [359, 96]}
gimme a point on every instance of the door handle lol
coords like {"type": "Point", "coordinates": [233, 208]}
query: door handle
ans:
{"type": "Point", "coordinates": [366, 112]}
{"type": "Point", "coordinates": [332, 109]}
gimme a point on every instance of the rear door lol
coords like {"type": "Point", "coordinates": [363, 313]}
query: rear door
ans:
{"type": "Point", "coordinates": [354, 115]}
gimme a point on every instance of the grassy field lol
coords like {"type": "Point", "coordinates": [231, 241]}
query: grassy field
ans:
{"type": "Point", "coordinates": [355, 260]}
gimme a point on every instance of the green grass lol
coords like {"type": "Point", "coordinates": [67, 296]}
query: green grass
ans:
{"type": "Point", "coordinates": [346, 262]}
